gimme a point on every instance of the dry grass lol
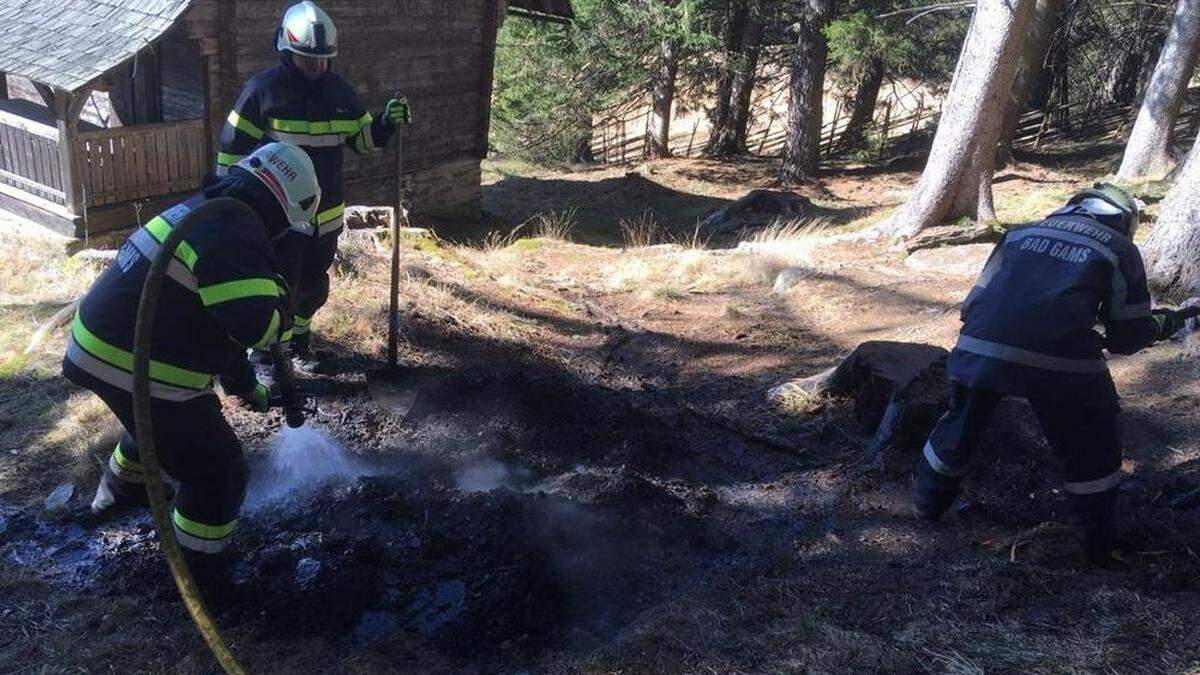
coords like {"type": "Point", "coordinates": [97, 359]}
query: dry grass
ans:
{"type": "Point", "coordinates": [642, 231]}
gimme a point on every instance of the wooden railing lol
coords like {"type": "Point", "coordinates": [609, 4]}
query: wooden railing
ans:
{"type": "Point", "coordinates": [129, 163]}
{"type": "Point", "coordinates": [30, 159]}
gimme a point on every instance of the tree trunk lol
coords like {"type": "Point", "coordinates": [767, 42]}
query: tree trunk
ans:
{"type": "Point", "coordinates": [1046, 17]}
{"type": "Point", "coordinates": [1171, 260]}
{"type": "Point", "coordinates": [728, 136]}
{"type": "Point", "coordinates": [806, 94]}
{"type": "Point", "coordinates": [862, 108]}
{"type": "Point", "coordinates": [658, 134]}
{"type": "Point", "coordinates": [1148, 153]}
{"type": "Point", "coordinates": [582, 153]}
{"type": "Point", "coordinates": [957, 180]}
{"type": "Point", "coordinates": [742, 94]}
{"type": "Point", "coordinates": [1124, 78]}
{"type": "Point", "coordinates": [722, 116]}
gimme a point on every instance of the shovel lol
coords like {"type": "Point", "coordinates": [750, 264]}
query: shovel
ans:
{"type": "Point", "coordinates": [395, 389]}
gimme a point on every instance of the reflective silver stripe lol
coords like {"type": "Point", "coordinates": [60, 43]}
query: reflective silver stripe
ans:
{"type": "Point", "coordinates": [200, 545]}
{"type": "Point", "coordinates": [308, 140]}
{"type": "Point", "coordinates": [1091, 487]}
{"type": "Point", "coordinates": [939, 466]}
{"type": "Point", "coordinates": [148, 246]}
{"type": "Point", "coordinates": [123, 380]}
{"type": "Point", "coordinates": [221, 170]}
{"type": "Point", "coordinates": [1025, 357]}
{"type": "Point", "coordinates": [331, 226]}
{"type": "Point", "coordinates": [127, 475]}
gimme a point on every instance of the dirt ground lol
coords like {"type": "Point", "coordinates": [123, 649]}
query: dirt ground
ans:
{"type": "Point", "coordinates": [592, 479]}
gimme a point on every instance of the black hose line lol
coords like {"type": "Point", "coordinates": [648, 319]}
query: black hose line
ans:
{"type": "Point", "coordinates": [144, 426]}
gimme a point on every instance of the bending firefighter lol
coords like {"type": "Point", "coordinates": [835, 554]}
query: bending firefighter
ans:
{"type": "Point", "coordinates": [222, 296]}
{"type": "Point", "coordinates": [1028, 331]}
{"type": "Point", "coordinates": [302, 101]}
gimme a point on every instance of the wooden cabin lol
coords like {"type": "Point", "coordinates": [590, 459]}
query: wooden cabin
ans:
{"type": "Point", "coordinates": [112, 109]}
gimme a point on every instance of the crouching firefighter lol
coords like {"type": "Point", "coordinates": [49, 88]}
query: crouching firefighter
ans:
{"type": "Point", "coordinates": [1028, 331]}
{"type": "Point", "coordinates": [221, 295]}
{"type": "Point", "coordinates": [301, 100]}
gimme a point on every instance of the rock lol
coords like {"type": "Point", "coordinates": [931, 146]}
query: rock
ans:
{"type": "Point", "coordinates": [59, 501]}
{"type": "Point", "coordinates": [368, 217]}
{"type": "Point", "coordinates": [758, 208]}
{"type": "Point", "coordinates": [308, 570]}
{"type": "Point", "coordinates": [375, 626]}
{"type": "Point", "coordinates": [788, 277]}
{"type": "Point", "coordinates": [964, 261]}
{"type": "Point", "coordinates": [437, 605]}
{"type": "Point", "coordinates": [899, 390]}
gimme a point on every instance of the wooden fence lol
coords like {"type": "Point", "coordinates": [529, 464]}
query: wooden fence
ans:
{"type": "Point", "coordinates": [128, 163]}
{"type": "Point", "coordinates": [29, 157]}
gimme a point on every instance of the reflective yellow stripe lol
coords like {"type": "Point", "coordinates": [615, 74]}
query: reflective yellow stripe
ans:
{"type": "Point", "coordinates": [236, 290]}
{"type": "Point", "coordinates": [227, 159]}
{"type": "Point", "coordinates": [244, 125]}
{"type": "Point", "coordinates": [159, 228]}
{"type": "Point", "coordinates": [316, 128]}
{"type": "Point", "coordinates": [200, 529]}
{"type": "Point", "coordinates": [115, 356]}
{"type": "Point", "coordinates": [272, 333]}
{"type": "Point", "coordinates": [124, 462]}
{"type": "Point", "coordinates": [286, 336]}
{"type": "Point", "coordinates": [330, 213]}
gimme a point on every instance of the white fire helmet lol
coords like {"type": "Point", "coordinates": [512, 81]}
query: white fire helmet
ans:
{"type": "Point", "coordinates": [288, 173]}
{"type": "Point", "coordinates": [307, 30]}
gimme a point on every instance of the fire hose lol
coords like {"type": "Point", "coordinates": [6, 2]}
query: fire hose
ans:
{"type": "Point", "coordinates": [144, 427]}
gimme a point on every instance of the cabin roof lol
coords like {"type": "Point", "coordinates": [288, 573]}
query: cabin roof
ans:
{"type": "Point", "coordinates": [68, 43]}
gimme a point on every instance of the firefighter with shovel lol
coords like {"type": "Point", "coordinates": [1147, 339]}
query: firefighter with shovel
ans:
{"type": "Point", "coordinates": [1029, 331]}
{"type": "Point", "coordinates": [302, 101]}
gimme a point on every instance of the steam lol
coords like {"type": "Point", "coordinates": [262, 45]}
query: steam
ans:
{"type": "Point", "coordinates": [300, 462]}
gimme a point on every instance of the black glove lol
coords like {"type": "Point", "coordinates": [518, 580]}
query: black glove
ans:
{"type": "Point", "coordinates": [1169, 322]}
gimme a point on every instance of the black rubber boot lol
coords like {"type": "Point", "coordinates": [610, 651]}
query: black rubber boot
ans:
{"type": "Point", "coordinates": [212, 573]}
{"type": "Point", "coordinates": [933, 493]}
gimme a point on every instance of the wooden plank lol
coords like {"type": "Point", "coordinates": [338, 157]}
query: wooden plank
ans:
{"type": "Point", "coordinates": [27, 125]}
{"type": "Point", "coordinates": [120, 178]}
{"type": "Point", "coordinates": [106, 156]}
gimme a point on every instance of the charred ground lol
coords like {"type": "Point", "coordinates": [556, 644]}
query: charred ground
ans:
{"type": "Point", "coordinates": [593, 481]}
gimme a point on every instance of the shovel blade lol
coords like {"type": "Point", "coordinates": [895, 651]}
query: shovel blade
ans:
{"type": "Point", "coordinates": [394, 390]}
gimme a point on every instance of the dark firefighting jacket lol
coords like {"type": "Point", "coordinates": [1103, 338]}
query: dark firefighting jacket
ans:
{"type": "Point", "coordinates": [322, 116]}
{"type": "Point", "coordinates": [1030, 323]}
{"type": "Point", "coordinates": [220, 297]}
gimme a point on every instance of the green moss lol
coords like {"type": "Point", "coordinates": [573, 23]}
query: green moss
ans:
{"type": "Point", "coordinates": [526, 244]}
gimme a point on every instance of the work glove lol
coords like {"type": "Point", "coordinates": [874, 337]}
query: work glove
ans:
{"type": "Point", "coordinates": [397, 112]}
{"type": "Point", "coordinates": [1169, 322]}
{"type": "Point", "coordinates": [261, 398]}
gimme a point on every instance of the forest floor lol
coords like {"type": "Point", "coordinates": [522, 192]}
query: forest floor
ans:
{"type": "Point", "coordinates": [592, 479]}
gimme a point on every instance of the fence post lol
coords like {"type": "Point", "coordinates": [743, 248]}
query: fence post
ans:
{"type": "Point", "coordinates": [887, 126]}
{"type": "Point", "coordinates": [66, 113]}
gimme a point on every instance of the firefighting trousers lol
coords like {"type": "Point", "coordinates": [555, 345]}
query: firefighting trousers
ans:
{"type": "Point", "coordinates": [306, 259]}
{"type": "Point", "coordinates": [1085, 436]}
{"type": "Point", "coordinates": [196, 448]}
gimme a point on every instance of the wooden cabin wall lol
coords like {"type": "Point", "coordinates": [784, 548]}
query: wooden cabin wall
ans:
{"type": "Point", "coordinates": [438, 52]}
